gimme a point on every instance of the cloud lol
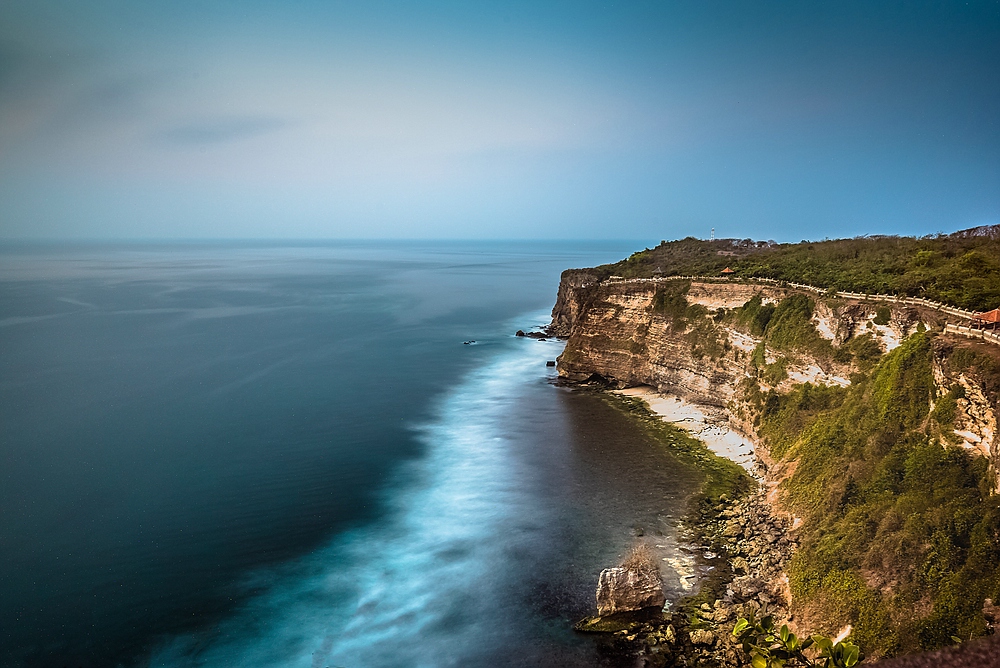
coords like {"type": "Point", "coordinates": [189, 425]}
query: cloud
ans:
{"type": "Point", "coordinates": [221, 130]}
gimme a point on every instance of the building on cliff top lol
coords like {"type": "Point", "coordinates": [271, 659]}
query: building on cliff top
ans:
{"type": "Point", "coordinates": [987, 320]}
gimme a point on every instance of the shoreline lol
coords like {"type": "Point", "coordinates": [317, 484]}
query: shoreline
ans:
{"type": "Point", "coordinates": [730, 520]}
{"type": "Point", "coordinates": [708, 424]}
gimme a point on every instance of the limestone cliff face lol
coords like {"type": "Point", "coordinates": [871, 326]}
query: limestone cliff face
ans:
{"type": "Point", "coordinates": [614, 330]}
{"type": "Point", "coordinates": [576, 289]}
{"type": "Point", "coordinates": [975, 411]}
{"type": "Point", "coordinates": [729, 345]}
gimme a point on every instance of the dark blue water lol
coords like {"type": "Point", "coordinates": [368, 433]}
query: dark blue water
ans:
{"type": "Point", "coordinates": [240, 455]}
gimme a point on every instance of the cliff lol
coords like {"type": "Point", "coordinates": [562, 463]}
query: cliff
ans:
{"type": "Point", "coordinates": [675, 335]}
{"type": "Point", "coordinates": [876, 429]}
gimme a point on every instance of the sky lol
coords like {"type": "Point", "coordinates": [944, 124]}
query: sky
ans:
{"type": "Point", "coordinates": [586, 120]}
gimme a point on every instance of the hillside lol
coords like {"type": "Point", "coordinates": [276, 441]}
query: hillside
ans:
{"type": "Point", "coordinates": [875, 428]}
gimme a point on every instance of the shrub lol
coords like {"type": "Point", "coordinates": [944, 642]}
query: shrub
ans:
{"type": "Point", "coordinates": [963, 271]}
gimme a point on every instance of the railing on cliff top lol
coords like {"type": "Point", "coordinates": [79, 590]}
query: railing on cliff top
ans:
{"type": "Point", "coordinates": [911, 301]}
{"type": "Point", "coordinates": [983, 334]}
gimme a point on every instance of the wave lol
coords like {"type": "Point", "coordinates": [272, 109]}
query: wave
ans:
{"type": "Point", "coordinates": [425, 585]}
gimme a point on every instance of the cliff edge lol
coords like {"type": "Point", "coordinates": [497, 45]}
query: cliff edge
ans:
{"type": "Point", "coordinates": [874, 429]}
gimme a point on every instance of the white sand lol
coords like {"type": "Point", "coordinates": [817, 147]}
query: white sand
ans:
{"type": "Point", "coordinates": [706, 423]}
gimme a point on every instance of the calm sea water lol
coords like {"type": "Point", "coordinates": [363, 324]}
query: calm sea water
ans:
{"type": "Point", "coordinates": [285, 455]}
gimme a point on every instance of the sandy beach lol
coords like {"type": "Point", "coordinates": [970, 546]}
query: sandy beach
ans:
{"type": "Point", "coordinates": [707, 423]}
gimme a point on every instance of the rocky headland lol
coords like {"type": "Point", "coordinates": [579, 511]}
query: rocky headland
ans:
{"type": "Point", "coordinates": [791, 370]}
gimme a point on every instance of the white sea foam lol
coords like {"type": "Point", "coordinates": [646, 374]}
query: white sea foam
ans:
{"type": "Point", "coordinates": [413, 589]}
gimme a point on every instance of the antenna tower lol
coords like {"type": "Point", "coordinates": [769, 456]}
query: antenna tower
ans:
{"type": "Point", "coordinates": [713, 234]}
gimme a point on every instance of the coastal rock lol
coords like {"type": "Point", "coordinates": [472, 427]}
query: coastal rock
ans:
{"type": "Point", "coordinates": [626, 589]}
{"type": "Point", "coordinates": [702, 637]}
{"type": "Point", "coordinates": [747, 586]}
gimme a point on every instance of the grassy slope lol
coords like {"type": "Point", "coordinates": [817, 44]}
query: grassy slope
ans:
{"type": "Point", "coordinates": [964, 272]}
{"type": "Point", "coordinates": [901, 533]}
{"type": "Point", "coordinates": [901, 536]}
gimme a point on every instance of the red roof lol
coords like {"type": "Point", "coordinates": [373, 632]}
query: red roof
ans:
{"type": "Point", "coordinates": [727, 270]}
{"type": "Point", "coordinates": [988, 316]}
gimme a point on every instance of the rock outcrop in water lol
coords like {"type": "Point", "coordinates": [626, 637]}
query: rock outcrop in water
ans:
{"type": "Point", "coordinates": [629, 589]}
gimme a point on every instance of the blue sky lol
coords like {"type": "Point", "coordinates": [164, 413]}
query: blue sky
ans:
{"type": "Point", "coordinates": [475, 120]}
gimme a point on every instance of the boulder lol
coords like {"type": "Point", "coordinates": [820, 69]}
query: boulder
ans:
{"type": "Point", "coordinates": [747, 586]}
{"type": "Point", "coordinates": [702, 637]}
{"type": "Point", "coordinates": [626, 589]}
{"type": "Point", "coordinates": [740, 565]}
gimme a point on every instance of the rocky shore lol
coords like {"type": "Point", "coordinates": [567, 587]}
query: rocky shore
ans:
{"type": "Point", "coordinates": [756, 545]}
{"type": "Point", "coordinates": [751, 547]}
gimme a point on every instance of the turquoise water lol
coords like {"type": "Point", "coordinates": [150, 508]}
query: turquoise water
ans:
{"type": "Point", "coordinates": [286, 455]}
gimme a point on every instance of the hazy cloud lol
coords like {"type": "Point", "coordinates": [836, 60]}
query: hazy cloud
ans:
{"type": "Point", "coordinates": [777, 120]}
{"type": "Point", "coordinates": [221, 130]}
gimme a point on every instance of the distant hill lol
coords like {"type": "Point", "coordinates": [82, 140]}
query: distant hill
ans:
{"type": "Point", "coordinates": [962, 268]}
{"type": "Point", "coordinates": [983, 231]}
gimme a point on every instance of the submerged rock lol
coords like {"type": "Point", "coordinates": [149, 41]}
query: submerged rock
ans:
{"type": "Point", "coordinates": [623, 589]}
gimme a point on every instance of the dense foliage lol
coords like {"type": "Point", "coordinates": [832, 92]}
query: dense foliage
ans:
{"type": "Point", "coordinates": [786, 326]}
{"type": "Point", "coordinates": [766, 646]}
{"type": "Point", "coordinates": [963, 270]}
{"type": "Point", "coordinates": [901, 534]}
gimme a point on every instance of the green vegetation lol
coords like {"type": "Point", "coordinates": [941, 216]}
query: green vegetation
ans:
{"type": "Point", "coordinates": [945, 407]}
{"type": "Point", "coordinates": [790, 328]}
{"type": "Point", "coordinates": [785, 327]}
{"type": "Point", "coordinates": [670, 301]}
{"type": "Point", "coordinates": [705, 338]}
{"type": "Point", "coordinates": [984, 368]}
{"type": "Point", "coordinates": [766, 646]}
{"type": "Point", "coordinates": [959, 270]}
{"type": "Point", "coordinates": [755, 315]}
{"type": "Point", "coordinates": [882, 315]}
{"type": "Point", "coordinates": [784, 416]}
{"type": "Point", "coordinates": [901, 534]}
{"type": "Point", "coordinates": [862, 350]}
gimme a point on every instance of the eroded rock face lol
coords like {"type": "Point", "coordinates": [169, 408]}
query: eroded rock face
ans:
{"type": "Point", "coordinates": [627, 589]}
{"type": "Point", "coordinates": [615, 331]}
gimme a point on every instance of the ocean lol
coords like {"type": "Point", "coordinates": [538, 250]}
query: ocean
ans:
{"type": "Point", "coordinates": [307, 454]}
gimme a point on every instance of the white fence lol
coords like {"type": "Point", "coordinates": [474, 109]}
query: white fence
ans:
{"type": "Point", "coordinates": [963, 330]}
{"type": "Point", "coordinates": [911, 301]}
{"type": "Point", "coordinates": [992, 337]}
